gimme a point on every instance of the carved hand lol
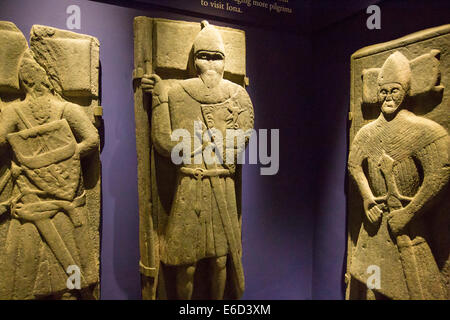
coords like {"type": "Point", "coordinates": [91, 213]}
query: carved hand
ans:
{"type": "Point", "coordinates": [372, 209]}
{"type": "Point", "coordinates": [18, 209]}
{"type": "Point", "coordinates": [397, 220]}
{"type": "Point", "coordinates": [78, 151]}
{"type": "Point", "coordinates": [81, 150]}
{"type": "Point", "coordinates": [4, 207]}
{"type": "Point", "coordinates": [151, 84]}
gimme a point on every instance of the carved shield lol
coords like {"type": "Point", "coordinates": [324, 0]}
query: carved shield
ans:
{"type": "Point", "coordinates": [47, 155]}
{"type": "Point", "coordinates": [219, 116]}
{"type": "Point", "coordinates": [229, 115]}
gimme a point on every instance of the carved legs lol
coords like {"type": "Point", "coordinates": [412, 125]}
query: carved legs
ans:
{"type": "Point", "coordinates": [219, 277]}
{"type": "Point", "coordinates": [185, 281]}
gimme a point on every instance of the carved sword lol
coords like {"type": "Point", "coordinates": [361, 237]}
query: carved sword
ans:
{"type": "Point", "coordinates": [219, 192]}
{"type": "Point", "coordinates": [407, 254]}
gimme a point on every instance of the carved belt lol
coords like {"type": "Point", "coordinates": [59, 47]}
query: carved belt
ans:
{"type": "Point", "coordinates": [47, 209]}
{"type": "Point", "coordinates": [199, 174]}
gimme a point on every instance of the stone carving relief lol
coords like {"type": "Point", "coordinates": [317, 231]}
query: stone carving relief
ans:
{"type": "Point", "coordinates": [190, 216]}
{"type": "Point", "coordinates": [50, 169]}
{"type": "Point", "coordinates": [399, 166]}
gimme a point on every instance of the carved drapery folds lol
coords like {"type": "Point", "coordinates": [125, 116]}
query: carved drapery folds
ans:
{"type": "Point", "coordinates": [50, 167]}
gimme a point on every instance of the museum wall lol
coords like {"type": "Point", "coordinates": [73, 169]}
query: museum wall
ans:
{"type": "Point", "coordinates": [278, 210]}
{"type": "Point", "coordinates": [331, 103]}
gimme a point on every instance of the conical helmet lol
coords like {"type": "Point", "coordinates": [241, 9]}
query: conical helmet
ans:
{"type": "Point", "coordinates": [396, 69]}
{"type": "Point", "coordinates": [208, 39]}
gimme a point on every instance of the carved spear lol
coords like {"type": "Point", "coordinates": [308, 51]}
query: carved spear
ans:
{"type": "Point", "coordinates": [148, 264]}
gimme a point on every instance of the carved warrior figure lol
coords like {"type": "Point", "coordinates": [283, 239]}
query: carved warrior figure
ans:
{"type": "Point", "coordinates": [46, 212]}
{"type": "Point", "coordinates": [400, 163]}
{"type": "Point", "coordinates": [204, 222]}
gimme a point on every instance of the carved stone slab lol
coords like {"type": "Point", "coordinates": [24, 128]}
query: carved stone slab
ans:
{"type": "Point", "coordinates": [173, 44]}
{"type": "Point", "coordinates": [13, 45]}
{"type": "Point", "coordinates": [183, 249]}
{"type": "Point", "coordinates": [49, 164]}
{"type": "Point", "coordinates": [72, 62]}
{"type": "Point", "coordinates": [398, 216]}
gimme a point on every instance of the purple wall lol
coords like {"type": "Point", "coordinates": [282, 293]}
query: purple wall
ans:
{"type": "Point", "coordinates": [277, 210]}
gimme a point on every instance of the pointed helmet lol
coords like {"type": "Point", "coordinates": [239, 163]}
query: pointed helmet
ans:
{"type": "Point", "coordinates": [208, 39]}
{"type": "Point", "coordinates": [396, 68]}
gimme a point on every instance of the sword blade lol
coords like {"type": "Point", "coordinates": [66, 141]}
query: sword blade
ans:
{"type": "Point", "coordinates": [219, 193]}
{"type": "Point", "coordinates": [404, 243]}
{"type": "Point", "coordinates": [51, 235]}
{"type": "Point", "coordinates": [231, 238]}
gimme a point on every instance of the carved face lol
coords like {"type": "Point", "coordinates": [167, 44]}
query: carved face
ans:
{"type": "Point", "coordinates": [391, 95]}
{"type": "Point", "coordinates": [34, 78]}
{"type": "Point", "coordinates": [210, 67]}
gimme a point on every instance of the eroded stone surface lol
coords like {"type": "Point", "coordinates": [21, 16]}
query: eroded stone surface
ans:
{"type": "Point", "coordinates": [71, 59]}
{"type": "Point", "coordinates": [13, 45]}
{"type": "Point", "coordinates": [399, 163]}
{"type": "Point", "coordinates": [190, 219]}
{"type": "Point", "coordinates": [173, 44]}
{"type": "Point", "coordinates": [50, 178]}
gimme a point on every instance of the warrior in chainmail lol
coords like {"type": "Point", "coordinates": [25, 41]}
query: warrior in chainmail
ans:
{"type": "Point", "coordinates": [203, 222]}
{"type": "Point", "coordinates": [400, 163]}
